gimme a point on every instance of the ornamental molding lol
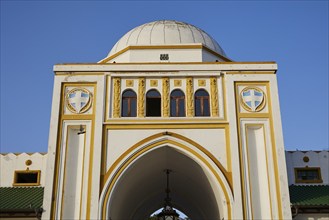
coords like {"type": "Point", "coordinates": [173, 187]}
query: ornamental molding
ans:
{"type": "Point", "coordinates": [252, 99]}
{"type": "Point", "coordinates": [78, 100]}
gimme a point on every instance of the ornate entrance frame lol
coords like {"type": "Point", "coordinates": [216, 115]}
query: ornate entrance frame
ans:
{"type": "Point", "coordinates": [212, 167]}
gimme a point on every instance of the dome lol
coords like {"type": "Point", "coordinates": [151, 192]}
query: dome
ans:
{"type": "Point", "coordinates": [166, 32]}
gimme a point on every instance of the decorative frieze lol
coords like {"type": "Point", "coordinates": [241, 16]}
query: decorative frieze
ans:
{"type": "Point", "coordinates": [189, 97]}
{"type": "Point", "coordinates": [141, 97]}
{"type": "Point", "coordinates": [165, 95]}
{"type": "Point", "coordinates": [116, 99]}
{"type": "Point", "coordinates": [214, 96]}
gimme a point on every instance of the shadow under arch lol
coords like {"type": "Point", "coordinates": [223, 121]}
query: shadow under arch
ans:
{"type": "Point", "coordinates": [174, 140]}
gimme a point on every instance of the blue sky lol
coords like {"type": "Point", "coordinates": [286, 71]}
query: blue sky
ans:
{"type": "Point", "coordinates": [35, 35]}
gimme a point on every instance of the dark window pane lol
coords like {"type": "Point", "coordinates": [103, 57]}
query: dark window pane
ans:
{"type": "Point", "coordinates": [153, 103]}
{"type": "Point", "coordinates": [181, 107]}
{"type": "Point", "coordinates": [133, 108]}
{"type": "Point", "coordinates": [172, 107]}
{"type": "Point", "coordinates": [201, 103]}
{"type": "Point", "coordinates": [202, 92]}
{"type": "Point", "coordinates": [308, 174]}
{"type": "Point", "coordinates": [129, 99]}
{"type": "Point", "coordinates": [197, 107]}
{"type": "Point", "coordinates": [206, 110]}
{"type": "Point", "coordinates": [27, 177]}
{"type": "Point", "coordinates": [177, 103]}
{"type": "Point", "coordinates": [153, 94]}
{"type": "Point", "coordinates": [129, 93]}
{"type": "Point", "coordinates": [124, 108]}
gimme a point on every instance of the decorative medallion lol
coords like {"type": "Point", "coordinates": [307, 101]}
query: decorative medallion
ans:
{"type": "Point", "coordinates": [116, 97]}
{"type": "Point", "coordinates": [78, 100]}
{"type": "Point", "coordinates": [165, 95]}
{"type": "Point", "coordinates": [28, 162]}
{"type": "Point", "coordinates": [252, 99]}
{"type": "Point", "coordinates": [202, 82]}
{"type": "Point", "coordinates": [177, 82]}
{"type": "Point", "coordinates": [306, 159]}
{"type": "Point", "coordinates": [154, 83]}
{"type": "Point", "coordinates": [129, 83]}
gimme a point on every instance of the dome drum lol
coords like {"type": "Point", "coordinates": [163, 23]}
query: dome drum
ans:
{"type": "Point", "coordinates": [177, 41]}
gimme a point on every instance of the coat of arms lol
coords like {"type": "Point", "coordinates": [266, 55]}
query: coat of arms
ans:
{"type": "Point", "coordinates": [78, 100]}
{"type": "Point", "coordinates": [252, 99]}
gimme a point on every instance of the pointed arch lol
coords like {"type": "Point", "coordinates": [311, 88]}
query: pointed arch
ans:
{"type": "Point", "coordinates": [174, 140]}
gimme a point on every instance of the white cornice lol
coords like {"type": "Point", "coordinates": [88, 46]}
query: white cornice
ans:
{"type": "Point", "coordinates": [159, 67]}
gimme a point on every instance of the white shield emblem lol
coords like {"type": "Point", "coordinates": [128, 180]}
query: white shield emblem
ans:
{"type": "Point", "coordinates": [78, 100]}
{"type": "Point", "coordinates": [253, 99]}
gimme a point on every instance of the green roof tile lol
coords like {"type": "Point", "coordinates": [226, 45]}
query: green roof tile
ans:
{"type": "Point", "coordinates": [309, 195]}
{"type": "Point", "coordinates": [32, 197]}
{"type": "Point", "coordinates": [20, 197]}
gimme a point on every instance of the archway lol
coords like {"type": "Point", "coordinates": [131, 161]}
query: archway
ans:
{"type": "Point", "coordinates": [136, 191]}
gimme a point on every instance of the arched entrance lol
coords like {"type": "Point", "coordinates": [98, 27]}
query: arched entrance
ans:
{"type": "Point", "coordinates": [137, 189]}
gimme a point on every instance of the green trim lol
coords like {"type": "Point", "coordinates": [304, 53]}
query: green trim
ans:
{"type": "Point", "coordinates": [309, 195]}
{"type": "Point", "coordinates": [20, 198]}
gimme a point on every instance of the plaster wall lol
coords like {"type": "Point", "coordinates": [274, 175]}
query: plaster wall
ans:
{"type": "Point", "coordinates": [121, 58]}
{"type": "Point", "coordinates": [153, 55]}
{"type": "Point", "coordinates": [214, 140]}
{"type": "Point", "coordinates": [209, 57]}
{"type": "Point", "coordinates": [93, 150]}
{"type": "Point", "coordinates": [10, 163]}
{"type": "Point", "coordinates": [73, 176]}
{"type": "Point", "coordinates": [316, 159]}
{"type": "Point", "coordinates": [278, 181]}
{"type": "Point", "coordinates": [175, 55]}
{"type": "Point", "coordinates": [313, 216]}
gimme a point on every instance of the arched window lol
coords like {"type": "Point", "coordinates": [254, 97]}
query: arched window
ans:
{"type": "Point", "coordinates": [201, 103]}
{"type": "Point", "coordinates": [177, 103]}
{"type": "Point", "coordinates": [153, 103]}
{"type": "Point", "coordinates": [129, 104]}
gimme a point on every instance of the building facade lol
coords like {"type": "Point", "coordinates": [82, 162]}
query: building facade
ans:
{"type": "Point", "coordinates": [308, 180]}
{"type": "Point", "coordinates": [166, 97]}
